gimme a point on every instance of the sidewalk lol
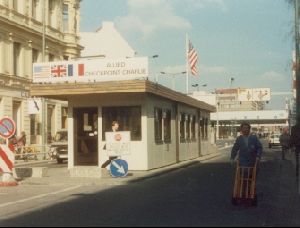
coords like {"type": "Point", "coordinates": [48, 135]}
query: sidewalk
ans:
{"type": "Point", "coordinates": [60, 176]}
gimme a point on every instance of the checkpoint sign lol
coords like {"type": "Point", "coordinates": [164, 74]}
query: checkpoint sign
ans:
{"type": "Point", "coordinates": [7, 128]}
{"type": "Point", "coordinates": [118, 168]}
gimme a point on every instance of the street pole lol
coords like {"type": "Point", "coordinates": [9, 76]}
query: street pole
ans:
{"type": "Point", "coordinates": [297, 83]}
{"type": "Point", "coordinates": [44, 30]}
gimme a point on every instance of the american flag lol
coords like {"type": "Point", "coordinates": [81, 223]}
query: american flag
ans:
{"type": "Point", "coordinates": [193, 58]}
{"type": "Point", "coordinates": [58, 71]}
{"type": "Point", "coordinates": [41, 71]}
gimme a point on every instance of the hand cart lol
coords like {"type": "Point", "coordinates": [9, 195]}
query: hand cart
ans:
{"type": "Point", "coordinates": [244, 191]}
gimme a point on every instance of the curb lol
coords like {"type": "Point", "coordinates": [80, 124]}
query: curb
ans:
{"type": "Point", "coordinates": [133, 178]}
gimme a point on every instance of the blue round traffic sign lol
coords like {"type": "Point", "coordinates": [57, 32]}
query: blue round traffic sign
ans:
{"type": "Point", "coordinates": [118, 168]}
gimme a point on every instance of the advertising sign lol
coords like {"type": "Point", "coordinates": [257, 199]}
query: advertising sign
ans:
{"type": "Point", "coordinates": [245, 95]}
{"type": "Point", "coordinates": [256, 94]}
{"type": "Point", "coordinates": [117, 143]}
{"type": "Point", "coordinates": [91, 70]}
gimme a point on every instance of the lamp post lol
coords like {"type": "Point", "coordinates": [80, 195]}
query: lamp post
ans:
{"type": "Point", "coordinates": [231, 81]}
{"type": "Point", "coordinates": [173, 77]}
{"type": "Point", "coordinates": [155, 74]}
{"type": "Point", "coordinates": [197, 85]}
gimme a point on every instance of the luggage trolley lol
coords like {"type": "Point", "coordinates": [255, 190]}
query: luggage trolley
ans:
{"type": "Point", "coordinates": [244, 191]}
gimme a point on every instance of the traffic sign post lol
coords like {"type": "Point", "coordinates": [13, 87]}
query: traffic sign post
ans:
{"type": "Point", "coordinates": [7, 156]}
{"type": "Point", "coordinates": [118, 168]}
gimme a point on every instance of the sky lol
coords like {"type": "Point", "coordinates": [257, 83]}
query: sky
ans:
{"type": "Point", "coordinates": [248, 40]}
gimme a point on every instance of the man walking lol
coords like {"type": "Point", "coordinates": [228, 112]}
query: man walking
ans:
{"type": "Point", "coordinates": [247, 147]}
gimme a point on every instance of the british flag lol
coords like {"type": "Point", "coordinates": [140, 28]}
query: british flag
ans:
{"type": "Point", "coordinates": [58, 71]}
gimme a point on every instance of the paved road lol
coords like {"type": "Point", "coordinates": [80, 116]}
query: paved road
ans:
{"type": "Point", "coordinates": [197, 195]}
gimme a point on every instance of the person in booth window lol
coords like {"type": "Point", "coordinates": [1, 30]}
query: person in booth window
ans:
{"type": "Point", "coordinates": [115, 127]}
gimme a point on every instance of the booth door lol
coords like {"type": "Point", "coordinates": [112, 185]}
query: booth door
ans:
{"type": "Point", "coordinates": [86, 136]}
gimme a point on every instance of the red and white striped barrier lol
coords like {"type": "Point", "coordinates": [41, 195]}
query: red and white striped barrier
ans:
{"type": "Point", "coordinates": [7, 162]}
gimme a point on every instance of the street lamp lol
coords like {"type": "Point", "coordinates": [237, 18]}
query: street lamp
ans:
{"type": "Point", "coordinates": [155, 74]}
{"type": "Point", "coordinates": [197, 85]}
{"type": "Point", "coordinates": [231, 81]}
{"type": "Point", "coordinates": [173, 77]}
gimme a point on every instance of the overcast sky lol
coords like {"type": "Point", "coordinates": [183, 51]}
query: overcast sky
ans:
{"type": "Point", "coordinates": [250, 40]}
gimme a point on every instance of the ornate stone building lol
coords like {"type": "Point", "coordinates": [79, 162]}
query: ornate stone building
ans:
{"type": "Point", "coordinates": [35, 31]}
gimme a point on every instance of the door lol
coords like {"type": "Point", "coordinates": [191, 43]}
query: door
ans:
{"type": "Point", "coordinates": [86, 136]}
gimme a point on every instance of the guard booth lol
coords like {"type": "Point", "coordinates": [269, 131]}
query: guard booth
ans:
{"type": "Point", "coordinates": [165, 126]}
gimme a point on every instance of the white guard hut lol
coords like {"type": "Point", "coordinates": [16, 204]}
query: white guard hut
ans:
{"type": "Point", "coordinates": [166, 127]}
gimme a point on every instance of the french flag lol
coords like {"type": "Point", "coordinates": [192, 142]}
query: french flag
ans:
{"type": "Point", "coordinates": [81, 69]}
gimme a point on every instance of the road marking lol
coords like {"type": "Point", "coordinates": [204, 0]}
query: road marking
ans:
{"type": "Point", "coordinates": [39, 196]}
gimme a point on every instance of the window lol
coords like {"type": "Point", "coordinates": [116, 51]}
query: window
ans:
{"type": "Point", "coordinates": [193, 128]}
{"type": "Point", "coordinates": [202, 128]}
{"type": "Point", "coordinates": [158, 125]}
{"type": "Point", "coordinates": [15, 5]}
{"type": "Point", "coordinates": [35, 55]}
{"type": "Point", "coordinates": [34, 8]}
{"type": "Point", "coordinates": [51, 58]}
{"type": "Point", "coordinates": [34, 128]}
{"type": "Point", "coordinates": [50, 122]}
{"type": "Point", "coordinates": [206, 129]}
{"type": "Point", "coordinates": [64, 117]}
{"type": "Point", "coordinates": [65, 18]}
{"type": "Point", "coordinates": [51, 8]}
{"type": "Point", "coordinates": [167, 125]}
{"type": "Point", "coordinates": [129, 119]}
{"type": "Point", "coordinates": [182, 127]}
{"type": "Point", "coordinates": [188, 126]}
{"type": "Point", "coordinates": [17, 55]}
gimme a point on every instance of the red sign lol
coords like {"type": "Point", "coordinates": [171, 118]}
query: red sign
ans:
{"type": "Point", "coordinates": [7, 128]}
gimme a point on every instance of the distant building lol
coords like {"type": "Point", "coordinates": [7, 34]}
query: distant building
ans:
{"type": "Point", "coordinates": [231, 112]}
{"type": "Point", "coordinates": [106, 42]}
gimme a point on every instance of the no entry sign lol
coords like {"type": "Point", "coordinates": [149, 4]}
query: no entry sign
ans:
{"type": "Point", "coordinates": [7, 128]}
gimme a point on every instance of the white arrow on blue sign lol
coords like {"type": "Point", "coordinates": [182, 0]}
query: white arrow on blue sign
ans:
{"type": "Point", "coordinates": [119, 168]}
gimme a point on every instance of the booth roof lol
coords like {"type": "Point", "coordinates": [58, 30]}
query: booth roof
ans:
{"type": "Point", "coordinates": [63, 91]}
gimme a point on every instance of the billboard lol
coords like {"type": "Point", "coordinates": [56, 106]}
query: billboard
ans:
{"type": "Point", "coordinates": [255, 94]}
{"type": "Point", "coordinates": [91, 70]}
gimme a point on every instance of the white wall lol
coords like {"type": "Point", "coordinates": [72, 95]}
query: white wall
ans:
{"type": "Point", "coordinates": [188, 149]}
{"type": "Point", "coordinates": [161, 154]}
{"type": "Point", "coordinates": [138, 159]}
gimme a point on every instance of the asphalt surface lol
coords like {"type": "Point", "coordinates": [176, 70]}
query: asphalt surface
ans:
{"type": "Point", "coordinates": [194, 193]}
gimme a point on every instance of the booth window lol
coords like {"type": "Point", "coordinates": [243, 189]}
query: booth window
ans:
{"type": "Point", "coordinates": [202, 128]}
{"type": "Point", "coordinates": [167, 125]}
{"type": "Point", "coordinates": [188, 126]}
{"type": "Point", "coordinates": [182, 127]}
{"type": "Point", "coordinates": [193, 128]}
{"type": "Point", "coordinates": [158, 114]}
{"type": "Point", "coordinates": [129, 119]}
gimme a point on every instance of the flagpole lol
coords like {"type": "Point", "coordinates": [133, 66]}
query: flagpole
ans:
{"type": "Point", "coordinates": [187, 62]}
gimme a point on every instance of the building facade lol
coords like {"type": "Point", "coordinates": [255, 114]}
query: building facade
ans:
{"type": "Point", "coordinates": [34, 31]}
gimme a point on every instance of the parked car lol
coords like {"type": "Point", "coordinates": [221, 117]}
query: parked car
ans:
{"type": "Point", "coordinates": [59, 146]}
{"type": "Point", "coordinates": [274, 140]}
